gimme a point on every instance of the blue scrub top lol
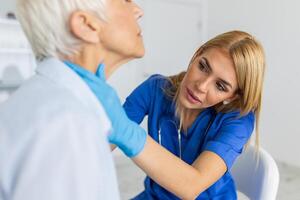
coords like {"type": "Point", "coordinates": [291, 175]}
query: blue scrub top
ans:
{"type": "Point", "coordinates": [226, 135]}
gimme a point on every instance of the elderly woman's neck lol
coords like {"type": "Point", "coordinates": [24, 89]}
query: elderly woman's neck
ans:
{"type": "Point", "coordinates": [89, 59]}
{"type": "Point", "coordinates": [86, 58]}
{"type": "Point", "coordinates": [112, 62]}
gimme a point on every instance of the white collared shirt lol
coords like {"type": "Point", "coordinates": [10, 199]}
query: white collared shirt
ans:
{"type": "Point", "coordinates": [53, 140]}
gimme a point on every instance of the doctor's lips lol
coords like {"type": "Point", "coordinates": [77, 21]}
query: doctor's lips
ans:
{"type": "Point", "coordinates": [191, 97]}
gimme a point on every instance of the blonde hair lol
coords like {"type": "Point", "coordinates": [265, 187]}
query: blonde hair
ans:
{"type": "Point", "coordinates": [45, 23]}
{"type": "Point", "coordinates": [249, 61]}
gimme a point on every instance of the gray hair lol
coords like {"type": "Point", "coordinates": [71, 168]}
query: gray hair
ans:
{"type": "Point", "coordinates": [45, 23]}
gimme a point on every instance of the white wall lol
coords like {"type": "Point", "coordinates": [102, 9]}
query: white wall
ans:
{"type": "Point", "coordinates": [276, 24]}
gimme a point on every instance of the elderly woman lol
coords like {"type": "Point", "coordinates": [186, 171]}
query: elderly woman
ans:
{"type": "Point", "coordinates": [53, 129]}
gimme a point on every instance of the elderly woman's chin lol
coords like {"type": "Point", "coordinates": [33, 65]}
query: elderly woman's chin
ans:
{"type": "Point", "coordinates": [141, 52]}
{"type": "Point", "coordinates": [137, 52]}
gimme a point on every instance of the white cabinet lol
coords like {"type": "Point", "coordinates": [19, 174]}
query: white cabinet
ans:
{"type": "Point", "coordinates": [17, 62]}
{"type": "Point", "coordinates": [173, 30]}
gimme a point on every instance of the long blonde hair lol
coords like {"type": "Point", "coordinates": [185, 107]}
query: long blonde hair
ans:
{"type": "Point", "coordinates": [249, 61]}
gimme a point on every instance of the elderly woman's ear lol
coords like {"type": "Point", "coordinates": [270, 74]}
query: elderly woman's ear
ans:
{"type": "Point", "coordinates": [85, 26]}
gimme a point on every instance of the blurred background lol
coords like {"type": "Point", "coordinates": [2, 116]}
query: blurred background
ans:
{"type": "Point", "coordinates": [173, 30]}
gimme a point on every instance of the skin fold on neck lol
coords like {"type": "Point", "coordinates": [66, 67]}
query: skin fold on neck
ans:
{"type": "Point", "coordinates": [89, 59]}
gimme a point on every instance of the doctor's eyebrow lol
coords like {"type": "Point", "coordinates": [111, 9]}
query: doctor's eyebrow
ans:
{"type": "Point", "coordinates": [208, 66]}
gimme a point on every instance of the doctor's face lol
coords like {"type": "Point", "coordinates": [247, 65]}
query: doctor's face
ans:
{"type": "Point", "coordinates": [210, 79]}
{"type": "Point", "coordinates": [121, 33]}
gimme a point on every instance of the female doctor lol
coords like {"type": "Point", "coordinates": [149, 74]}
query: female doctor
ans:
{"type": "Point", "coordinates": [203, 116]}
{"type": "Point", "coordinates": [198, 121]}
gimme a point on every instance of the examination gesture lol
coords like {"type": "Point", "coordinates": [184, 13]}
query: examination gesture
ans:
{"type": "Point", "coordinates": [126, 134]}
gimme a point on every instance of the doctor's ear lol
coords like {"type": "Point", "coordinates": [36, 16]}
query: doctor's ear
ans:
{"type": "Point", "coordinates": [228, 101]}
{"type": "Point", "coordinates": [85, 26]}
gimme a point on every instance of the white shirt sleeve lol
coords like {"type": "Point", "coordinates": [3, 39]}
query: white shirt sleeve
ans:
{"type": "Point", "coordinates": [67, 158]}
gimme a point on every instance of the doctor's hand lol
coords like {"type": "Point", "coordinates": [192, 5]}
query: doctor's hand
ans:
{"type": "Point", "coordinates": [126, 134]}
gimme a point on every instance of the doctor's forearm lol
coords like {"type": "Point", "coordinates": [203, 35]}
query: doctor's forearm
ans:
{"type": "Point", "coordinates": [169, 171]}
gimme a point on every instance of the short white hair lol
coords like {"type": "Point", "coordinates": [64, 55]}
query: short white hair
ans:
{"type": "Point", "coordinates": [46, 24]}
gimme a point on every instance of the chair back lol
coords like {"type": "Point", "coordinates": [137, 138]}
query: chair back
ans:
{"type": "Point", "coordinates": [256, 174]}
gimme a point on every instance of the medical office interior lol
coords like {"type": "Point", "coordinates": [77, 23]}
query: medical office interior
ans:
{"type": "Point", "coordinates": [172, 30]}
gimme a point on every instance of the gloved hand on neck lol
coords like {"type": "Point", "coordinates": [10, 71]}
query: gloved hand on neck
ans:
{"type": "Point", "coordinates": [126, 134]}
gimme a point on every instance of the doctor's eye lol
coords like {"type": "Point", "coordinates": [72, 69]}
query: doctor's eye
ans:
{"type": "Point", "coordinates": [221, 87]}
{"type": "Point", "coordinates": [203, 67]}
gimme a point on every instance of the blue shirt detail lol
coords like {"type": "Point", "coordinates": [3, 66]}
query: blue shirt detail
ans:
{"type": "Point", "coordinates": [226, 136]}
{"type": "Point", "coordinates": [85, 74]}
{"type": "Point", "coordinates": [101, 72]}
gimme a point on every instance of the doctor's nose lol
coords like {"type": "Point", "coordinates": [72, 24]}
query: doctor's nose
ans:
{"type": "Point", "coordinates": [202, 85]}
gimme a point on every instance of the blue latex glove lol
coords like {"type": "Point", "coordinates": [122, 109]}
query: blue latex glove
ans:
{"type": "Point", "coordinates": [126, 134]}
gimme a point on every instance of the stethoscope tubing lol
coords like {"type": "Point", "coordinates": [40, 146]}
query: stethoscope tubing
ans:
{"type": "Point", "coordinates": [178, 136]}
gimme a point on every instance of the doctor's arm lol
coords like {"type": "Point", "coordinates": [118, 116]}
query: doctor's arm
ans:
{"type": "Point", "coordinates": [219, 154]}
{"type": "Point", "coordinates": [185, 181]}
